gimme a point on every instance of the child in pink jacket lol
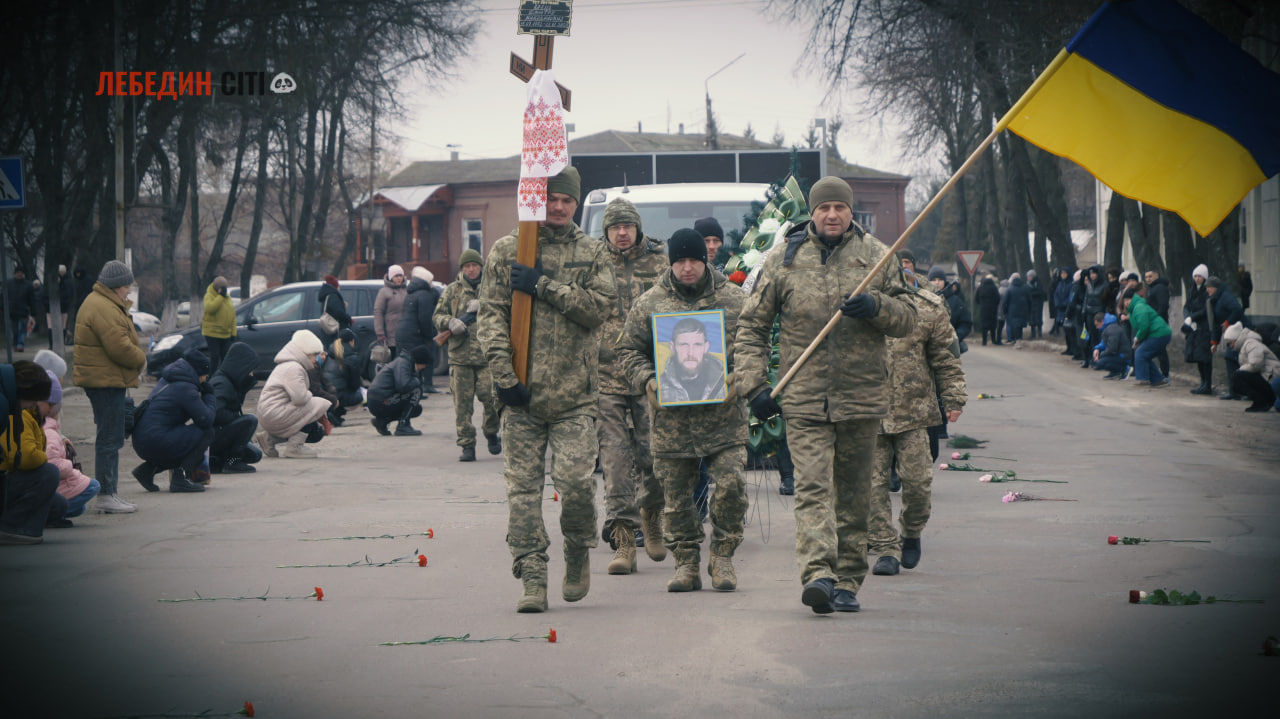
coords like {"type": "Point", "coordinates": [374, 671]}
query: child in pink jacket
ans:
{"type": "Point", "coordinates": [75, 486]}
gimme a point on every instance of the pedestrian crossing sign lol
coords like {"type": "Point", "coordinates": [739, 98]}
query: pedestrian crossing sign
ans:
{"type": "Point", "coordinates": [12, 190]}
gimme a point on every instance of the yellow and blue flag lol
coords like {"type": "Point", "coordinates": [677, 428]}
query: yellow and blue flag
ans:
{"type": "Point", "coordinates": [1161, 107]}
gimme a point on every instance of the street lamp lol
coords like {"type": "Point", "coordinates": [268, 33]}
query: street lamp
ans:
{"type": "Point", "coordinates": [712, 142]}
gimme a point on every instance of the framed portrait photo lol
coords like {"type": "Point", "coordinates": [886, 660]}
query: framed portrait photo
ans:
{"type": "Point", "coordinates": [689, 354]}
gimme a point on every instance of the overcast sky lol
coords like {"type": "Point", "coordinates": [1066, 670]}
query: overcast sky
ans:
{"type": "Point", "coordinates": [639, 61]}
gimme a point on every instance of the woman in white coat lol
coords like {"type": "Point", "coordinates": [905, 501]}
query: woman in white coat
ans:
{"type": "Point", "coordinates": [286, 404]}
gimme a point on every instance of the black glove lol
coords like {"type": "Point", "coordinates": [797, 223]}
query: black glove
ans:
{"type": "Point", "coordinates": [206, 388]}
{"type": "Point", "coordinates": [525, 278]}
{"type": "Point", "coordinates": [468, 319]}
{"type": "Point", "coordinates": [764, 406]}
{"type": "Point", "coordinates": [516, 395]}
{"type": "Point", "coordinates": [859, 307]}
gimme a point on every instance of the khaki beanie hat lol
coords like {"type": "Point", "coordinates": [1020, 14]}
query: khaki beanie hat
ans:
{"type": "Point", "coordinates": [619, 212]}
{"type": "Point", "coordinates": [830, 189]}
{"type": "Point", "coordinates": [568, 182]}
{"type": "Point", "coordinates": [470, 255]}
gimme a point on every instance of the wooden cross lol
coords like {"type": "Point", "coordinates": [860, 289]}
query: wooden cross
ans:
{"type": "Point", "coordinates": [527, 239]}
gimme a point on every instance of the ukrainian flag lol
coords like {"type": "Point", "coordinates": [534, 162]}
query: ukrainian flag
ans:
{"type": "Point", "coordinates": [1159, 106]}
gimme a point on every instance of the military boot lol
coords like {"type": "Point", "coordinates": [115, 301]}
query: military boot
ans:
{"type": "Point", "coordinates": [577, 574]}
{"type": "Point", "coordinates": [651, 522]}
{"type": "Point", "coordinates": [624, 561]}
{"type": "Point", "coordinates": [534, 575]}
{"type": "Point", "coordinates": [686, 578]}
{"type": "Point", "coordinates": [468, 453]}
{"type": "Point", "coordinates": [721, 571]}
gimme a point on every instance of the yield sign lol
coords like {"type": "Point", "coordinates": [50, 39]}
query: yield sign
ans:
{"type": "Point", "coordinates": [970, 260]}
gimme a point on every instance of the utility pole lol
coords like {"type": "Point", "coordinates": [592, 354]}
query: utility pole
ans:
{"type": "Point", "coordinates": [713, 140]}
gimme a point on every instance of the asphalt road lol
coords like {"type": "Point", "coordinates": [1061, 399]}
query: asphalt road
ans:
{"type": "Point", "coordinates": [1016, 609]}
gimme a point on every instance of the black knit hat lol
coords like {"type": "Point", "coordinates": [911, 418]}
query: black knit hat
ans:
{"type": "Point", "coordinates": [32, 380]}
{"type": "Point", "coordinates": [198, 361]}
{"type": "Point", "coordinates": [686, 244]}
{"type": "Point", "coordinates": [709, 227]}
{"type": "Point", "coordinates": [421, 355]}
{"type": "Point", "coordinates": [937, 273]}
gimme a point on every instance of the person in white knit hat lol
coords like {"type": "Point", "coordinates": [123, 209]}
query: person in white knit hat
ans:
{"type": "Point", "coordinates": [1197, 329]}
{"type": "Point", "coordinates": [416, 327]}
{"type": "Point", "coordinates": [286, 405]}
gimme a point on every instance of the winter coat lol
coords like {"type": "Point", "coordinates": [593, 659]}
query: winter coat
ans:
{"type": "Point", "coordinates": [232, 381]}
{"type": "Point", "coordinates": [1115, 340]}
{"type": "Point", "coordinates": [1038, 297]}
{"type": "Point", "coordinates": [397, 379]}
{"type": "Point", "coordinates": [575, 294]}
{"type": "Point", "coordinates": [415, 328]}
{"type": "Point", "coordinates": [219, 315]}
{"type": "Point", "coordinates": [31, 442]}
{"type": "Point", "coordinates": [1061, 298]}
{"type": "Point", "coordinates": [464, 349]}
{"type": "Point", "coordinates": [107, 351]}
{"type": "Point", "coordinates": [1226, 311]}
{"type": "Point", "coordinates": [1110, 292]}
{"type": "Point", "coordinates": [1000, 305]}
{"type": "Point", "coordinates": [286, 404]}
{"type": "Point", "coordinates": [1256, 357]}
{"type": "Point", "coordinates": [961, 319]}
{"type": "Point", "coordinates": [21, 298]}
{"type": "Point", "coordinates": [1158, 297]}
{"type": "Point", "coordinates": [332, 301]}
{"type": "Point", "coordinates": [67, 293]}
{"type": "Point", "coordinates": [806, 281]}
{"type": "Point", "coordinates": [344, 374]}
{"type": "Point", "coordinates": [176, 419]}
{"type": "Point", "coordinates": [1196, 308]}
{"type": "Point", "coordinates": [637, 269]}
{"type": "Point", "coordinates": [693, 430]}
{"type": "Point", "coordinates": [988, 297]}
{"type": "Point", "coordinates": [1093, 303]}
{"type": "Point", "coordinates": [72, 482]}
{"type": "Point", "coordinates": [1246, 289]}
{"type": "Point", "coordinates": [388, 306]}
{"type": "Point", "coordinates": [1145, 322]}
{"type": "Point", "coordinates": [1017, 304]}
{"type": "Point", "coordinates": [924, 369]}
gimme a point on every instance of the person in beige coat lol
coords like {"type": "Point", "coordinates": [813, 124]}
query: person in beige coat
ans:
{"type": "Point", "coordinates": [286, 404]}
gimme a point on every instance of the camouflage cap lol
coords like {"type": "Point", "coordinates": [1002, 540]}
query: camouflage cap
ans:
{"type": "Point", "coordinates": [620, 211]}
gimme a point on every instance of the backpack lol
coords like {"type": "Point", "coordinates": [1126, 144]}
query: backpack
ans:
{"type": "Point", "coordinates": [133, 415]}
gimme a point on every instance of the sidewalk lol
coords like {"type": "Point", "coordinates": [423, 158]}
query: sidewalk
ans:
{"type": "Point", "coordinates": [1015, 610]}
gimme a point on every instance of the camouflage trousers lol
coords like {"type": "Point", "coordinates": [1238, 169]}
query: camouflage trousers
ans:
{"type": "Point", "coordinates": [679, 477]}
{"type": "Point", "coordinates": [833, 487]}
{"type": "Point", "coordinates": [910, 451]}
{"type": "Point", "coordinates": [466, 382]}
{"type": "Point", "coordinates": [626, 460]}
{"type": "Point", "coordinates": [573, 445]}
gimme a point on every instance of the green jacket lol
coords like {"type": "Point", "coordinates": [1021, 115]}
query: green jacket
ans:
{"type": "Point", "coordinates": [636, 269]}
{"type": "Point", "coordinates": [1144, 321]}
{"type": "Point", "coordinates": [219, 315]}
{"type": "Point", "coordinates": [924, 367]}
{"type": "Point", "coordinates": [463, 349]}
{"type": "Point", "coordinates": [575, 295]}
{"type": "Point", "coordinates": [694, 430]}
{"type": "Point", "coordinates": [805, 282]}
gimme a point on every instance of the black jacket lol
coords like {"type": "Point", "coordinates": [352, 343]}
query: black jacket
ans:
{"type": "Point", "coordinates": [1038, 298]}
{"type": "Point", "coordinates": [988, 302]}
{"type": "Point", "coordinates": [1158, 297]}
{"type": "Point", "coordinates": [332, 301]}
{"type": "Point", "coordinates": [176, 419]}
{"type": "Point", "coordinates": [397, 379]}
{"type": "Point", "coordinates": [961, 319]}
{"type": "Point", "coordinates": [232, 382]}
{"type": "Point", "coordinates": [20, 297]}
{"type": "Point", "coordinates": [416, 328]}
{"type": "Point", "coordinates": [344, 375]}
{"type": "Point", "coordinates": [1226, 311]}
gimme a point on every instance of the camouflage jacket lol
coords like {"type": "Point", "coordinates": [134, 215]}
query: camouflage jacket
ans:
{"type": "Point", "coordinates": [805, 282]}
{"type": "Point", "coordinates": [924, 366]}
{"type": "Point", "coordinates": [636, 269]}
{"type": "Point", "coordinates": [695, 430]}
{"type": "Point", "coordinates": [463, 349]}
{"type": "Point", "coordinates": [575, 294]}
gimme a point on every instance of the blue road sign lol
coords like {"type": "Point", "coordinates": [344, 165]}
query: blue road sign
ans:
{"type": "Point", "coordinates": [13, 195]}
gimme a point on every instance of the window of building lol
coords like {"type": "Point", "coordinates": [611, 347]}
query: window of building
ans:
{"type": "Point", "coordinates": [473, 234]}
{"type": "Point", "coordinates": [866, 219]}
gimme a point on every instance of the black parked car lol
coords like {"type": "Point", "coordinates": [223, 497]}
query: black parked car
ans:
{"type": "Point", "coordinates": [267, 321]}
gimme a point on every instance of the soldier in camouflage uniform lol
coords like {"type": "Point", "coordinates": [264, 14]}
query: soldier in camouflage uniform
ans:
{"type": "Point", "coordinates": [834, 403]}
{"type": "Point", "coordinates": [923, 368]}
{"type": "Point", "coordinates": [716, 432]}
{"type": "Point", "coordinates": [638, 260]}
{"type": "Point", "coordinates": [573, 290]}
{"type": "Point", "coordinates": [469, 377]}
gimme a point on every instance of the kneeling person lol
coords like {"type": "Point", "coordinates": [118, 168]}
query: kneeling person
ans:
{"type": "Point", "coordinates": [683, 435]}
{"type": "Point", "coordinates": [177, 426]}
{"type": "Point", "coordinates": [396, 393]}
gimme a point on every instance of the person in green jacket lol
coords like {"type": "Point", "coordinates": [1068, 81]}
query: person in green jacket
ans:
{"type": "Point", "coordinates": [219, 322]}
{"type": "Point", "coordinates": [1151, 336]}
